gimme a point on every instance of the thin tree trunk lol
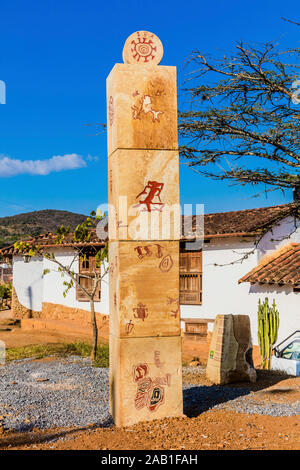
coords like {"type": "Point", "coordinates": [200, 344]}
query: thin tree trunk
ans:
{"type": "Point", "coordinates": [95, 329]}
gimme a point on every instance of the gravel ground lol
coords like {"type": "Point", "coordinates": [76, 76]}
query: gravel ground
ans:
{"type": "Point", "coordinates": [71, 393]}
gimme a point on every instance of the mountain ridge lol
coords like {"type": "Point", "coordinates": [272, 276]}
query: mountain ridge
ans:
{"type": "Point", "coordinates": [28, 224]}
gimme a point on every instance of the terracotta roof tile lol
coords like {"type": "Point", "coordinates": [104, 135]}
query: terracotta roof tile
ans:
{"type": "Point", "coordinates": [247, 222]}
{"type": "Point", "coordinates": [281, 267]}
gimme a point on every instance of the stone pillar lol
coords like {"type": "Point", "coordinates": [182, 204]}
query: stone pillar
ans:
{"type": "Point", "coordinates": [144, 231]}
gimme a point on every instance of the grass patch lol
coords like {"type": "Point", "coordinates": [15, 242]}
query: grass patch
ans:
{"type": "Point", "coordinates": [40, 351]}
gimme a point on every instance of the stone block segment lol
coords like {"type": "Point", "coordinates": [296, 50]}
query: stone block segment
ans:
{"type": "Point", "coordinates": [145, 379]}
{"type": "Point", "coordinates": [141, 108]}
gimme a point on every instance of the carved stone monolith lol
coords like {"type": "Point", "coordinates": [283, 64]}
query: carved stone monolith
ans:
{"type": "Point", "coordinates": [144, 232]}
{"type": "Point", "coordinates": [230, 351]}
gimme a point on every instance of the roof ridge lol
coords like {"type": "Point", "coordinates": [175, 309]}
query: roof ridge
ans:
{"type": "Point", "coordinates": [253, 209]}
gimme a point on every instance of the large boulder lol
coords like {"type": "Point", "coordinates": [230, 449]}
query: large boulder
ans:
{"type": "Point", "coordinates": [230, 352]}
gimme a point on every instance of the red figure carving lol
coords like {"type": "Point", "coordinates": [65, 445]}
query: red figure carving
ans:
{"type": "Point", "coordinates": [174, 301]}
{"type": "Point", "coordinates": [142, 393]}
{"type": "Point", "coordinates": [111, 269]}
{"type": "Point", "coordinates": [111, 110]}
{"type": "Point", "coordinates": [147, 250]}
{"type": "Point", "coordinates": [141, 310]}
{"type": "Point", "coordinates": [110, 181]}
{"type": "Point", "coordinates": [140, 371]}
{"type": "Point", "coordinates": [129, 327]}
{"type": "Point", "coordinates": [159, 250]}
{"type": "Point", "coordinates": [140, 249]}
{"type": "Point", "coordinates": [120, 224]}
{"type": "Point", "coordinates": [166, 264]}
{"type": "Point", "coordinates": [142, 49]}
{"type": "Point", "coordinates": [149, 392]}
{"type": "Point", "coordinates": [157, 359]}
{"type": "Point", "coordinates": [152, 190]}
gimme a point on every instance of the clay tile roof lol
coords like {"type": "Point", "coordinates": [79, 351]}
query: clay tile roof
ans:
{"type": "Point", "coordinates": [47, 240]}
{"type": "Point", "coordinates": [248, 222]}
{"type": "Point", "coordinates": [281, 267]}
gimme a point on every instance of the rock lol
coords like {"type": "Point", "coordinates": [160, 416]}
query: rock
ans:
{"type": "Point", "coordinates": [230, 352]}
{"type": "Point", "coordinates": [194, 363]}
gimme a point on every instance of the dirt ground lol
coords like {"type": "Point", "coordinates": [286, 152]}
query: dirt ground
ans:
{"type": "Point", "coordinates": [211, 430]}
{"type": "Point", "coordinates": [17, 337]}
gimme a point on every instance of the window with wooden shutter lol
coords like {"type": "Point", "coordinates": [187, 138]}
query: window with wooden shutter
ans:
{"type": "Point", "coordinates": [87, 266]}
{"type": "Point", "coordinates": [191, 277]}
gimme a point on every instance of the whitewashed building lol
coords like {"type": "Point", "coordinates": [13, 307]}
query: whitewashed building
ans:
{"type": "Point", "coordinates": [246, 256]}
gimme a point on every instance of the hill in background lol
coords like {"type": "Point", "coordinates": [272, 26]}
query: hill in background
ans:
{"type": "Point", "coordinates": [21, 226]}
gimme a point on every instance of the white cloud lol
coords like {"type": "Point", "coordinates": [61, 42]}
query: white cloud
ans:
{"type": "Point", "coordinates": [12, 167]}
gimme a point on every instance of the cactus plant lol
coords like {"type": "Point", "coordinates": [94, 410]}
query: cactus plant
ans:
{"type": "Point", "coordinates": [267, 330]}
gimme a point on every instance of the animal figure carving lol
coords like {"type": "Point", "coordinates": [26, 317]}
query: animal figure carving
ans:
{"type": "Point", "coordinates": [141, 311]}
{"type": "Point", "coordinates": [145, 107]}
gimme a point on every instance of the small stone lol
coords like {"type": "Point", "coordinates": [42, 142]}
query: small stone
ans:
{"type": "Point", "coordinates": [194, 364]}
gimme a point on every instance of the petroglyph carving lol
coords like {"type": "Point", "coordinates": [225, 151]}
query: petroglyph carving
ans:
{"type": "Point", "coordinates": [177, 305]}
{"type": "Point", "coordinates": [144, 48]}
{"type": "Point", "coordinates": [144, 106]}
{"type": "Point", "coordinates": [166, 264]}
{"type": "Point", "coordinates": [141, 311]}
{"type": "Point", "coordinates": [150, 392]}
{"type": "Point", "coordinates": [147, 252]}
{"type": "Point", "coordinates": [152, 190]}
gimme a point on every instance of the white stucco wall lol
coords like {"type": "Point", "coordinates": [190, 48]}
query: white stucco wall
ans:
{"type": "Point", "coordinates": [28, 282]}
{"type": "Point", "coordinates": [223, 295]}
{"type": "Point", "coordinates": [286, 231]}
{"type": "Point", "coordinates": [32, 288]}
{"type": "Point", "coordinates": [54, 288]}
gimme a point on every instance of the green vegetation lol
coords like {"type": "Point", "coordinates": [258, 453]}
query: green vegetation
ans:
{"type": "Point", "coordinates": [268, 323]}
{"type": "Point", "coordinates": [79, 348]}
{"type": "Point", "coordinates": [32, 224]}
{"type": "Point", "coordinates": [5, 294]}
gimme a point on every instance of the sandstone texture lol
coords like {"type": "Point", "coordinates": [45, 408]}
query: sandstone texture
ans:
{"type": "Point", "coordinates": [230, 352]}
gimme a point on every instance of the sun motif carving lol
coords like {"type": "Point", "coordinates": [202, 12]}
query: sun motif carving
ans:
{"type": "Point", "coordinates": [143, 48]}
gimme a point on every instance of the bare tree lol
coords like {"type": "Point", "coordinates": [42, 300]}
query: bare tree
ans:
{"type": "Point", "coordinates": [243, 117]}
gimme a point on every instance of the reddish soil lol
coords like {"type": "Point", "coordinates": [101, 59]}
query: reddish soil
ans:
{"type": "Point", "coordinates": [211, 430]}
{"type": "Point", "coordinates": [214, 430]}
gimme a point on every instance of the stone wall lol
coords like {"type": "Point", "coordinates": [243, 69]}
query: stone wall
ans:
{"type": "Point", "coordinates": [19, 311]}
{"type": "Point", "coordinates": [54, 312]}
{"type": "Point", "coordinates": [61, 312]}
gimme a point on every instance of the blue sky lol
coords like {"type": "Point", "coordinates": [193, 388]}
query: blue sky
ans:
{"type": "Point", "coordinates": [55, 57]}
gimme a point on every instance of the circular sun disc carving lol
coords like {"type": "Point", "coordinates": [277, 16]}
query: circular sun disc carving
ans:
{"type": "Point", "coordinates": [143, 48]}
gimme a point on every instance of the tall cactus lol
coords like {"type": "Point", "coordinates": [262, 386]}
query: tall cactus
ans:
{"type": "Point", "coordinates": [267, 331]}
